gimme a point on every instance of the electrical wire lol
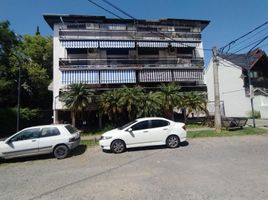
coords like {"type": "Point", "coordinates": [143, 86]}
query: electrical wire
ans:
{"type": "Point", "coordinates": [162, 34]}
{"type": "Point", "coordinates": [239, 38]}
{"type": "Point", "coordinates": [245, 40]}
{"type": "Point", "coordinates": [105, 9]}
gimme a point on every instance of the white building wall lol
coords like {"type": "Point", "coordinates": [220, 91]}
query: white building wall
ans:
{"type": "Point", "coordinates": [58, 52]}
{"type": "Point", "coordinates": [232, 92]}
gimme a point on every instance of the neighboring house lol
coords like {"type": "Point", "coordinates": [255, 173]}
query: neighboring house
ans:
{"type": "Point", "coordinates": [234, 83]}
{"type": "Point", "coordinates": [107, 53]}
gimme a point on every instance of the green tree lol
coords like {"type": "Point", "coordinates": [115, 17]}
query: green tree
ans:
{"type": "Point", "coordinates": [37, 71]}
{"type": "Point", "coordinates": [8, 41]}
{"type": "Point", "coordinates": [109, 104]}
{"type": "Point", "coordinates": [170, 96]}
{"type": "Point", "coordinates": [194, 102]}
{"type": "Point", "coordinates": [77, 98]}
{"type": "Point", "coordinates": [150, 105]}
{"type": "Point", "coordinates": [131, 100]}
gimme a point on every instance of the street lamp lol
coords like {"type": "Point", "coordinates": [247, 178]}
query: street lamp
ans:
{"type": "Point", "coordinates": [20, 57]}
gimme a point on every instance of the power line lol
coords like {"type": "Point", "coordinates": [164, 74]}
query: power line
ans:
{"type": "Point", "coordinates": [245, 40]}
{"type": "Point", "coordinates": [162, 34]}
{"type": "Point", "coordinates": [117, 8]}
{"type": "Point", "coordinates": [105, 9]}
{"type": "Point", "coordinates": [239, 38]}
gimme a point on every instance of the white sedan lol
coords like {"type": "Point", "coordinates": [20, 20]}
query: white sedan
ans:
{"type": "Point", "coordinates": [144, 132]}
{"type": "Point", "coordinates": [57, 139]}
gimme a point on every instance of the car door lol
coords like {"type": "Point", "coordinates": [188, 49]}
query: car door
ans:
{"type": "Point", "coordinates": [138, 134]}
{"type": "Point", "coordinates": [23, 143]}
{"type": "Point", "coordinates": [159, 130]}
{"type": "Point", "coordinates": [49, 137]}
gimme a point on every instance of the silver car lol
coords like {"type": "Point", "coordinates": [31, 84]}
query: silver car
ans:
{"type": "Point", "coordinates": [58, 139]}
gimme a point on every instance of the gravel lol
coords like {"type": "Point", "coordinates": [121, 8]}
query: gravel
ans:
{"type": "Point", "coordinates": [205, 168]}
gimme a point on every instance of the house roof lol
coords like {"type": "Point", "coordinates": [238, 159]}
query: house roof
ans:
{"type": "Point", "coordinates": [246, 61]}
{"type": "Point", "coordinates": [52, 19]}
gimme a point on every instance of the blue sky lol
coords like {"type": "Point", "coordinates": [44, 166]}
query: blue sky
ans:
{"type": "Point", "coordinates": [229, 18]}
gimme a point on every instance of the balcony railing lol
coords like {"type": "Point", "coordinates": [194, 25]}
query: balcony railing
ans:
{"type": "Point", "coordinates": [131, 76]}
{"type": "Point", "coordinates": [129, 63]}
{"type": "Point", "coordinates": [127, 35]}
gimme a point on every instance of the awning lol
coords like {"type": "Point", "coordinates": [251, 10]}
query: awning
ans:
{"type": "Point", "coordinates": [80, 44]}
{"type": "Point", "coordinates": [153, 44]}
{"type": "Point", "coordinates": [117, 76]}
{"type": "Point", "coordinates": [117, 44]}
{"type": "Point", "coordinates": [80, 76]}
{"type": "Point", "coordinates": [155, 76]}
{"type": "Point", "coordinates": [184, 44]}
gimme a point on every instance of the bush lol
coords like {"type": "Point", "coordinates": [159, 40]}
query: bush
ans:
{"type": "Point", "coordinates": [257, 114]}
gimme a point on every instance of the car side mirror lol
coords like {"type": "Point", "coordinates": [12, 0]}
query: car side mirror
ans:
{"type": "Point", "coordinates": [8, 141]}
{"type": "Point", "coordinates": [129, 130]}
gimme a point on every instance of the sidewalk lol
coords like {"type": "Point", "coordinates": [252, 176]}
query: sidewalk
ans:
{"type": "Point", "coordinates": [260, 123]}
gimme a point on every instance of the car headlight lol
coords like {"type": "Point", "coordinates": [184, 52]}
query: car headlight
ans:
{"type": "Point", "coordinates": [105, 137]}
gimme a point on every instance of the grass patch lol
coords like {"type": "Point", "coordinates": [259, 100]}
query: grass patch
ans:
{"type": "Point", "coordinates": [195, 125]}
{"type": "Point", "coordinates": [225, 133]}
{"type": "Point", "coordinates": [89, 143]}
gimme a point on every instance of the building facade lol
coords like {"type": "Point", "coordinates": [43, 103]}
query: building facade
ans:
{"type": "Point", "coordinates": [235, 94]}
{"type": "Point", "coordinates": [107, 53]}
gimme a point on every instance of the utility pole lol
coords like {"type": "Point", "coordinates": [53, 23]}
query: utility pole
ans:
{"type": "Point", "coordinates": [18, 88]}
{"type": "Point", "coordinates": [251, 94]}
{"type": "Point", "coordinates": [217, 119]}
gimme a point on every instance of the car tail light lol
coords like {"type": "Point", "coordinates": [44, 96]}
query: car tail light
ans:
{"type": "Point", "coordinates": [184, 127]}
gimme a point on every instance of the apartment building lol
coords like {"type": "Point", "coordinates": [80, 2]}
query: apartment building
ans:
{"type": "Point", "coordinates": [106, 53]}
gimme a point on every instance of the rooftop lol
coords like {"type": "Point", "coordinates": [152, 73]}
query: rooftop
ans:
{"type": "Point", "coordinates": [52, 19]}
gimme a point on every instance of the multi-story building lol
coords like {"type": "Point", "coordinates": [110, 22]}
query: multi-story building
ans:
{"type": "Point", "coordinates": [107, 53]}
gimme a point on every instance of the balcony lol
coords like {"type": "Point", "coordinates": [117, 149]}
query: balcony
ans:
{"type": "Point", "coordinates": [68, 34]}
{"type": "Point", "coordinates": [132, 76]}
{"type": "Point", "coordinates": [66, 64]}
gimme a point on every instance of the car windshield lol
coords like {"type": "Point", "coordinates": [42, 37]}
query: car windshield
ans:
{"type": "Point", "coordinates": [126, 125]}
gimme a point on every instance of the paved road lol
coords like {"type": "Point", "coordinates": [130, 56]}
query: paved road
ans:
{"type": "Point", "coordinates": [213, 168]}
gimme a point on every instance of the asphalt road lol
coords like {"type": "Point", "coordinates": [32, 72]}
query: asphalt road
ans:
{"type": "Point", "coordinates": [212, 168]}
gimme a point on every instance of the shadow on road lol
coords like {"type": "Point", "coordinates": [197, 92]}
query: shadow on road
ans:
{"type": "Point", "coordinates": [183, 144]}
{"type": "Point", "coordinates": [75, 152]}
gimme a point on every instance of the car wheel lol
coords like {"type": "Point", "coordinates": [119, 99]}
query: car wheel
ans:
{"type": "Point", "coordinates": [173, 141]}
{"type": "Point", "coordinates": [118, 146]}
{"type": "Point", "coordinates": [61, 151]}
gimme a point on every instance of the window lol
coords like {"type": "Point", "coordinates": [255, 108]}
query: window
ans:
{"type": "Point", "coordinates": [159, 123]}
{"type": "Point", "coordinates": [71, 129]}
{"type": "Point", "coordinates": [140, 126]}
{"type": "Point", "coordinates": [50, 131]}
{"type": "Point", "coordinates": [26, 135]}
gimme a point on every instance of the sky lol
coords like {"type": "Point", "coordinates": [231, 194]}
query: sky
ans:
{"type": "Point", "coordinates": [229, 19]}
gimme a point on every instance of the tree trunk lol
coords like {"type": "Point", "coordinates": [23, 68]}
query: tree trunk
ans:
{"type": "Point", "coordinates": [73, 117]}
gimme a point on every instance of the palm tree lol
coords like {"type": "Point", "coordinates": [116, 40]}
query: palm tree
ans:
{"type": "Point", "coordinates": [170, 96]}
{"type": "Point", "coordinates": [77, 98]}
{"type": "Point", "coordinates": [150, 105]}
{"type": "Point", "coordinates": [194, 101]}
{"type": "Point", "coordinates": [130, 100]}
{"type": "Point", "coordinates": [109, 103]}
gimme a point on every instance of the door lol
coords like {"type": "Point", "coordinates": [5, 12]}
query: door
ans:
{"type": "Point", "coordinates": [139, 134]}
{"type": "Point", "coordinates": [49, 137]}
{"type": "Point", "coordinates": [159, 130]}
{"type": "Point", "coordinates": [23, 143]}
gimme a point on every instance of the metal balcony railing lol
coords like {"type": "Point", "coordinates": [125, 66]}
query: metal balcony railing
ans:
{"type": "Point", "coordinates": [129, 63]}
{"type": "Point", "coordinates": [68, 34]}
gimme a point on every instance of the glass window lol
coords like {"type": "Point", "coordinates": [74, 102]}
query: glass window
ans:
{"type": "Point", "coordinates": [71, 129]}
{"type": "Point", "coordinates": [140, 126]}
{"type": "Point", "coordinates": [27, 135]}
{"type": "Point", "coordinates": [126, 125]}
{"type": "Point", "coordinates": [50, 131]}
{"type": "Point", "coordinates": [159, 123]}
